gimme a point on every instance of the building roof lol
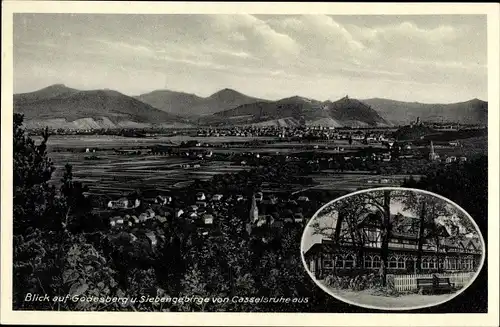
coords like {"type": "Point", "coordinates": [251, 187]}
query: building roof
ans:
{"type": "Point", "coordinates": [319, 247]}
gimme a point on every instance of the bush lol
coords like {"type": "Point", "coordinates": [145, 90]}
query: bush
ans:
{"type": "Point", "coordinates": [355, 283]}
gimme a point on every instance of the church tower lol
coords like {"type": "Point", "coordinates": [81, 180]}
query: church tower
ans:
{"type": "Point", "coordinates": [254, 210]}
{"type": "Point", "coordinates": [254, 215]}
{"type": "Point", "coordinates": [432, 154]}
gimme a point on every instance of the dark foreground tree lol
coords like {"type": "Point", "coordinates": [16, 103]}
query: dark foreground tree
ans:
{"type": "Point", "coordinates": [34, 200]}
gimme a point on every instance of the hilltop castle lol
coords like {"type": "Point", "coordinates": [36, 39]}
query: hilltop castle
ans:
{"type": "Point", "coordinates": [417, 122]}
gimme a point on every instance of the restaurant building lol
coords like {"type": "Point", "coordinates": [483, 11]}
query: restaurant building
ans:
{"type": "Point", "coordinates": [440, 251]}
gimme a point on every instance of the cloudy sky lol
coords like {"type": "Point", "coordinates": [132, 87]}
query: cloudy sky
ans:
{"type": "Point", "coordinates": [409, 58]}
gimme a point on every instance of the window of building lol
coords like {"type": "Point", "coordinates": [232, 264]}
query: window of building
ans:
{"type": "Point", "coordinates": [393, 263]}
{"type": "Point", "coordinates": [401, 263]}
{"type": "Point", "coordinates": [349, 261]}
{"type": "Point", "coordinates": [327, 263]}
{"type": "Point", "coordinates": [376, 262]}
{"type": "Point", "coordinates": [434, 264]}
{"type": "Point", "coordinates": [368, 262]}
{"type": "Point", "coordinates": [339, 262]}
{"type": "Point", "coordinates": [425, 264]}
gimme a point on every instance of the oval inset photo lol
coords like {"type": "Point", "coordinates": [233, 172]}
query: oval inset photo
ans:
{"type": "Point", "coordinates": [392, 249]}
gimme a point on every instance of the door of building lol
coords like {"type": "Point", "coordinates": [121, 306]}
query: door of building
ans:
{"type": "Point", "coordinates": [410, 266]}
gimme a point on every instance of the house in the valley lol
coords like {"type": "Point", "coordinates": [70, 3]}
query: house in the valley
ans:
{"type": "Point", "coordinates": [143, 217]}
{"type": "Point", "coordinates": [124, 203]}
{"type": "Point", "coordinates": [451, 159]}
{"type": "Point", "coordinates": [163, 200]}
{"type": "Point", "coordinates": [208, 219]}
{"type": "Point", "coordinates": [201, 204]}
{"type": "Point", "coordinates": [137, 203]}
{"type": "Point", "coordinates": [116, 221]}
{"type": "Point", "coordinates": [298, 217]}
{"type": "Point", "coordinates": [150, 212]}
{"type": "Point", "coordinates": [121, 203]}
{"type": "Point", "coordinates": [128, 220]}
{"type": "Point", "coordinates": [152, 238]}
{"type": "Point", "coordinates": [161, 219]}
{"type": "Point", "coordinates": [217, 197]}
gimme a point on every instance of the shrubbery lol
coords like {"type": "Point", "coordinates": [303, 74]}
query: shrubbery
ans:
{"type": "Point", "coordinates": [355, 283]}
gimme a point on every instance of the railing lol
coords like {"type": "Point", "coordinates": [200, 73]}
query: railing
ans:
{"type": "Point", "coordinates": [409, 282]}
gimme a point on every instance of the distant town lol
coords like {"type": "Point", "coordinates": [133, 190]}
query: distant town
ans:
{"type": "Point", "coordinates": [327, 160]}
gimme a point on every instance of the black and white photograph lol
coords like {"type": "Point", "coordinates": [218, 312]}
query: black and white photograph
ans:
{"type": "Point", "coordinates": [393, 248]}
{"type": "Point", "coordinates": [181, 159]}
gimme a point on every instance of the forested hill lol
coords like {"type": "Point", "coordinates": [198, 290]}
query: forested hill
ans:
{"type": "Point", "coordinates": [474, 111]}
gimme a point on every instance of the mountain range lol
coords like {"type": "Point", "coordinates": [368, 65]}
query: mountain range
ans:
{"type": "Point", "coordinates": [187, 104]}
{"type": "Point", "coordinates": [298, 110]}
{"type": "Point", "coordinates": [474, 111]}
{"type": "Point", "coordinates": [59, 106]}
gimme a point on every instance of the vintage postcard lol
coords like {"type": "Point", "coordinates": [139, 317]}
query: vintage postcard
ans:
{"type": "Point", "coordinates": [278, 164]}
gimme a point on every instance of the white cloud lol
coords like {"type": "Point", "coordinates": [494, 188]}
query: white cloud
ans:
{"type": "Point", "coordinates": [408, 30]}
{"type": "Point", "coordinates": [124, 47]}
{"type": "Point", "coordinates": [309, 55]}
{"type": "Point", "coordinates": [318, 31]}
{"type": "Point", "coordinates": [439, 64]}
{"type": "Point", "coordinates": [260, 36]}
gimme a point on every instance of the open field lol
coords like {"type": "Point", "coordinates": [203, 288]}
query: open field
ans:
{"type": "Point", "coordinates": [353, 182]}
{"type": "Point", "coordinates": [111, 141]}
{"type": "Point", "coordinates": [113, 174]}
